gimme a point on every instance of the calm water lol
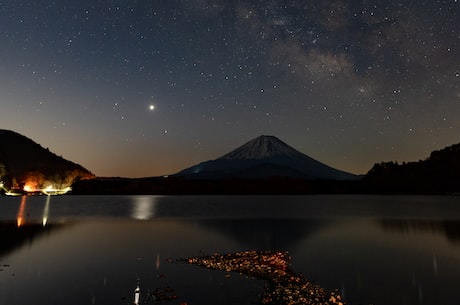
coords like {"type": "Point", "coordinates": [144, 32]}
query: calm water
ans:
{"type": "Point", "coordinates": [93, 249]}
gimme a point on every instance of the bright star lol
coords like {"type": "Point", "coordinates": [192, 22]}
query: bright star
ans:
{"type": "Point", "coordinates": [152, 107]}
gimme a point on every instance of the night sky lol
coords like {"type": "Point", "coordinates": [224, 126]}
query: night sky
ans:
{"type": "Point", "coordinates": [146, 88]}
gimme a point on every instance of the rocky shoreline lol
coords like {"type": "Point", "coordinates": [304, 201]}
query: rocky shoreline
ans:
{"type": "Point", "coordinates": [284, 286]}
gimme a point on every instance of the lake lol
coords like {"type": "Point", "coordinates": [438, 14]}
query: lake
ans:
{"type": "Point", "coordinates": [96, 249]}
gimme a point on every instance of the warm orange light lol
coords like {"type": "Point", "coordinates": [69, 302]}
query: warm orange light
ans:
{"type": "Point", "coordinates": [32, 183]}
{"type": "Point", "coordinates": [28, 188]}
{"type": "Point", "coordinates": [22, 207]}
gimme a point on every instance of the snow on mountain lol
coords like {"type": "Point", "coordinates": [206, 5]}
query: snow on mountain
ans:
{"type": "Point", "coordinates": [263, 157]}
{"type": "Point", "coordinates": [260, 148]}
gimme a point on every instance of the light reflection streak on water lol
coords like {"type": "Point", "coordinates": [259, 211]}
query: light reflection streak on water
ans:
{"type": "Point", "coordinates": [157, 262]}
{"type": "Point", "coordinates": [143, 208]}
{"type": "Point", "coordinates": [22, 207]}
{"type": "Point", "coordinates": [46, 211]}
{"type": "Point", "coordinates": [435, 265]}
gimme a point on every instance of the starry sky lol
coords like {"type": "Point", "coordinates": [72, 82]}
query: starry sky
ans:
{"type": "Point", "coordinates": [147, 88]}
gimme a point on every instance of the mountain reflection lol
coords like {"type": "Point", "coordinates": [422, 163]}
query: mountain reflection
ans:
{"type": "Point", "coordinates": [14, 237]}
{"type": "Point", "coordinates": [449, 228]}
{"type": "Point", "coordinates": [265, 234]}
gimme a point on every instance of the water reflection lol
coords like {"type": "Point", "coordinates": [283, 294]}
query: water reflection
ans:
{"type": "Point", "coordinates": [157, 262]}
{"type": "Point", "coordinates": [46, 211]}
{"type": "Point", "coordinates": [144, 207]}
{"type": "Point", "coordinates": [13, 237]}
{"type": "Point", "coordinates": [265, 233]}
{"type": "Point", "coordinates": [21, 212]}
{"type": "Point", "coordinates": [25, 215]}
{"type": "Point", "coordinates": [109, 242]}
{"type": "Point", "coordinates": [447, 228]}
{"type": "Point", "coordinates": [368, 264]}
{"type": "Point", "coordinates": [376, 266]}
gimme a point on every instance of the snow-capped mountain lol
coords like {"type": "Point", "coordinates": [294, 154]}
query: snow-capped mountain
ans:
{"type": "Point", "coordinates": [264, 157]}
{"type": "Point", "coordinates": [261, 148]}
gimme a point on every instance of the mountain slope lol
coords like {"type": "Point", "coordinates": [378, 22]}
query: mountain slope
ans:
{"type": "Point", "coordinates": [440, 172]}
{"type": "Point", "coordinates": [264, 157]}
{"type": "Point", "coordinates": [22, 161]}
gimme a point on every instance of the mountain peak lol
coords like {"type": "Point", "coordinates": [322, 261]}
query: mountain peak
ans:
{"type": "Point", "coordinates": [262, 157]}
{"type": "Point", "coordinates": [261, 147]}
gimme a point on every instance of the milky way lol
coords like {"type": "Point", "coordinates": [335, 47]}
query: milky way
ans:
{"type": "Point", "coordinates": [143, 88]}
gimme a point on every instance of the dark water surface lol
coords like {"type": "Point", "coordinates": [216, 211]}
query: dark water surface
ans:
{"type": "Point", "coordinates": [94, 249]}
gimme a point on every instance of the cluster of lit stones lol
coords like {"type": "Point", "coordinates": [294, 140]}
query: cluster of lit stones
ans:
{"type": "Point", "coordinates": [284, 286]}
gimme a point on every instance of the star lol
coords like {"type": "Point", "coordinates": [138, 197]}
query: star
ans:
{"type": "Point", "coordinates": [248, 67]}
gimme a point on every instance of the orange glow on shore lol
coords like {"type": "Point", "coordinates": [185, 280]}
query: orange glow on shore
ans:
{"type": "Point", "coordinates": [36, 183]}
{"type": "Point", "coordinates": [28, 188]}
{"type": "Point", "coordinates": [34, 186]}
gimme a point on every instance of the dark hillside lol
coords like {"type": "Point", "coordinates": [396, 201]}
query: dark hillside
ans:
{"type": "Point", "coordinates": [440, 173]}
{"type": "Point", "coordinates": [22, 161]}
